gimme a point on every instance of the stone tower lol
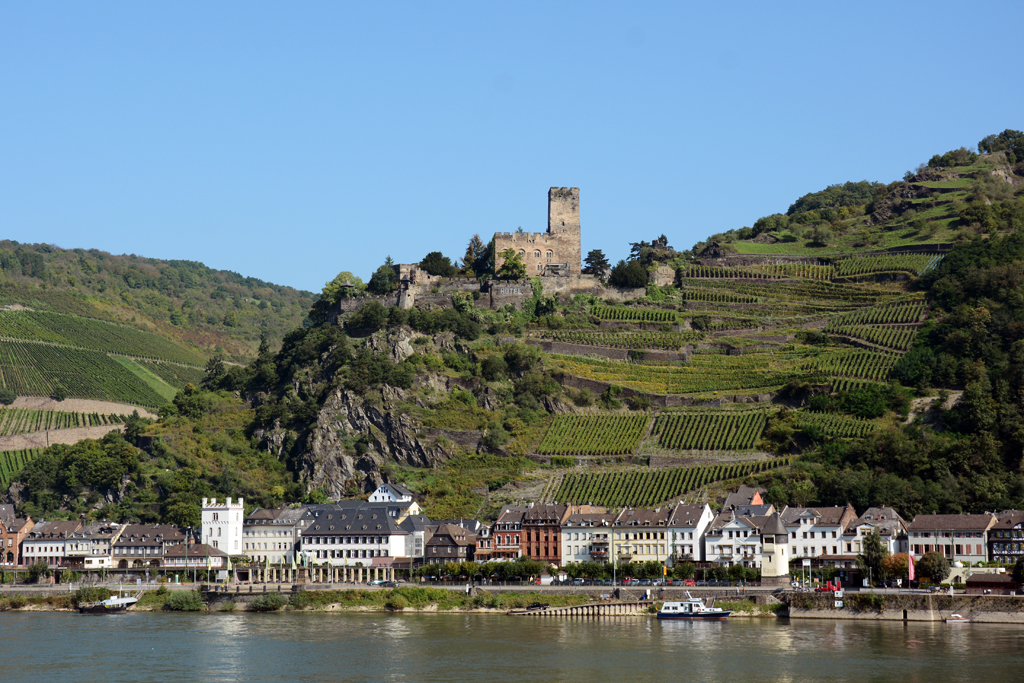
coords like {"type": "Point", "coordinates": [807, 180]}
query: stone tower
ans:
{"type": "Point", "coordinates": [774, 553]}
{"type": "Point", "coordinates": [559, 247]}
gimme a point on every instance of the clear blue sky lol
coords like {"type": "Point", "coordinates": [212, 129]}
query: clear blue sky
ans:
{"type": "Point", "coordinates": [291, 141]}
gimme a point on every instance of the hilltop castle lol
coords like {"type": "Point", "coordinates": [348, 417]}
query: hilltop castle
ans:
{"type": "Point", "coordinates": [555, 252]}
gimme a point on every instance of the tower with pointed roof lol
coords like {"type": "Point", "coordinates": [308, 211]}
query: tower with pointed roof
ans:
{"type": "Point", "coordinates": [774, 553]}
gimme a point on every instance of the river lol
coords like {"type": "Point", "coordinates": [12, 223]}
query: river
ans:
{"type": "Point", "coordinates": [223, 648]}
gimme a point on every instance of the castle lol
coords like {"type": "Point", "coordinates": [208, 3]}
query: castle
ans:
{"type": "Point", "coordinates": [555, 252]}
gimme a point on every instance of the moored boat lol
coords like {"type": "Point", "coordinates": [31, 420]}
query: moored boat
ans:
{"type": "Point", "coordinates": [957, 619]}
{"type": "Point", "coordinates": [112, 605]}
{"type": "Point", "coordinates": [691, 608]}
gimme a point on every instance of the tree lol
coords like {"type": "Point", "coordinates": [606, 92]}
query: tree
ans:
{"type": "Point", "coordinates": [59, 393]}
{"type": "Point", "coordinates": [7, 396]}
{"type": "Point", "coordinates": [896, 566]}
{"type": "Point", "coordinates": [133, 427]}
{"type": "Point", "coordinates": [477, 254]}
{"type": "Point", "coordinates": [1018, 570]}
{"type": "Point", "coordinates": [513, 267]}
{"type": "Point", "coordinates": [873, 553]}
{"type": "Point", "coordinates": [384, 280]}
{"type": "Point", "coordinates": [932, 566]}
{"type": "Point", "coordinates": [214, 371]}
{"type": "Point", "coordinates": [344, 285]}
{"type": "Point", "coordinates": [821, 236]}
{"type": "Point", "coordinates": [632, 274]}
{"type": "Point", "coordinates": [494, 368]}
{"type": "Point", "coordinates": [437, 263]}
{"type": "Point", "coordinates": [597, 263]}
{"type": "Point", "coordinates": [684, 570]}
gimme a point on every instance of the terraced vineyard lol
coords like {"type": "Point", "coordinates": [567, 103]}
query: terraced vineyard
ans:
{"type": "Point", "coordinates": [92, 334]}
{"type": "Point", "coordinates": [12, 462]}
{"type": "Point", "coordinates": [594, 434]}
{"type": "Point", "coordinates": [626, 340]}
{"type": "Point", "coordinates": [38, 369]}
{"type": "Point", "coordinates": [646, 488]}
{"type": "Point", "coordinates": [899, 338]}
{"type": "Point", "coordinates": [840, 426]}
{"type": "Point", "coordinates": [917, 264]}
{"type": "Point", "coordinates": [175, 375]}
{"type": "Point", "coordinates": [903, 312]}
{"type": "Point", "coordinates": [709, 430]}
{"type": "Point", "coordinates": [853, 363]}
{"type": "Point", "coordinates": [633, 314]}
{"type": "Point", "coordinates": [19, 421]}
{"type": "Point", "coordinates": [717, 296]}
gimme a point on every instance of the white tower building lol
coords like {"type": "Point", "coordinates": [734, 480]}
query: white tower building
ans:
{"type": "Point", "coordinates": [222, 525]}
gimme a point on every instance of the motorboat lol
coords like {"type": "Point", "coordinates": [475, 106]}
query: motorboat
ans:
{"type": "Point", "coordinates": [957, 619]}
{"type": "Point", "coordinates": [691, 608]}
{"type": "Point", "coordinates": [115, 604]}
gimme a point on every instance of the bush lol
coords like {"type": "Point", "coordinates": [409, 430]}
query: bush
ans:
{"type": "Point", "coordinates": [268, 602]}
{"type": "Point", "coordinates": [91, 594]}
{"type": "Point", "coordinates": [563, 461]}
{"type": "Point", "coordinates": [632, 274]}
{"type": "Point", "coordinates": [396, 603]}
{"type": "Point", "coordinates": [7, 396]}
{"type": "Point", "coordinates": [37, 571]}
{"type": "Point", "coordinates": [494, 368]}
{"type": "Point", "coordinates": [184, 601]}
{"type": "Point", "coordinates": [639, 403]}
{"type": "Point", "coordinates": [228, 607]}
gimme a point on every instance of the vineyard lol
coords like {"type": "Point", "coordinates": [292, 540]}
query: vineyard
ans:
{"type": "Point", "coordinates": [175, 375]}
{"type": "Point", "coordinates": [647, 488]}
{"type": "Point", "coordinates": [761, 272]}
{"type": "Point", "coordinates": [594, 434]}
{"type": "Point", "coordinates": [853, 363]}
{"type": "Point", "coordinates": [38, 369]}
{"type": "Point", "coordinates": [18, 421]}
{"type": "Point", "coordinates": [839, 426]}
{"type": "Point", "coordinates": [631, 314]}
{"type": "Point", "coordinates": [12, 462]}
{"type": "Point", "coordinates": [902, 312]}
{"type": "Point", "coordinates": [899, 338]}
{"type": "Point", "coordinates": [917, 264]}
{"type": "Point", "coordinates": [92, 334]}
{"type": "Point", "coordinates": [717, 296]}
{"type": "Point", "coordinates": [706, 430]}
{"type": "Point", "coordinates": [626, 340]}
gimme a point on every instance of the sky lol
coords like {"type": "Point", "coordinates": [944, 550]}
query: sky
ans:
{"type": "Point", "coordinates": [293, 141]}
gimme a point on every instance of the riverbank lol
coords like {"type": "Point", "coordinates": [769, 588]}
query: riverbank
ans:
{"type": "Point", "coordinates": [986, 609]}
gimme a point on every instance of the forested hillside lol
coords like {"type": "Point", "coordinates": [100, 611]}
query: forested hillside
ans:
{"type": "Point", "coordinates": [864, 348]}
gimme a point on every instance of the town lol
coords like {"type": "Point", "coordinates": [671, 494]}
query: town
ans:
{"type": "Point", "coordinates": [385, 538]}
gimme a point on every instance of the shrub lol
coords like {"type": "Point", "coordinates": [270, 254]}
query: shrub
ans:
{"type": "Point", "coordinates": [184, 601]}
{"type": "Point", "coordinates": [396, 603]}
{"type": "Point", "coordinates": [37, 571]}
{"type": "Point", "coordinates": [91, 594]}
{"type": "Point", "coordinates": [228, 607]}
{"type": "Point", "coordinates": [269, 602]}
{"type": "Point", "coordinates": [494, 368]}
{"type": "Point", "coordinates": [7, 396]}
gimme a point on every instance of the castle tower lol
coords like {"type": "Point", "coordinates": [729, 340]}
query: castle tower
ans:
{"type": "Point", "coordinates": [559, 247]}
{"type": "Point", "coordinates": [774, 553]}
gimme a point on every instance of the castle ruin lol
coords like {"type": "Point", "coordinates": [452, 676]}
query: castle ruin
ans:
{"type": "Point", "coordinates": [555, 252]}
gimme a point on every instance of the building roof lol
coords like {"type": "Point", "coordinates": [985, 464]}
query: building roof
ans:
{"type": "Point", "coordinates": [990, 579]}
{"type": "Point", "coordinates": [415, 523]}
{"type": "Point", "coordinates": [401, 490]}
{"type": "Point", "coordinates": [686, 515]}
{"type": "Point", "coordinates": [755, 510]}
{"type": "Point", "coordinates": [545, 514]}
{"type": "Point", "coordinates": [152, 535]}
{"type": "Point", "coordinates": [284, 516]}
{"type": "Point", "coordinates": [830, 516]}
{"type": "Point", "coordinates": [773, 527]}
{"type": "Point", "coordinates": [511, 514]}
{"type": "Point", "coordinates": [643, 517]}
{"type": "Point", "coordinates": [744, 495]}
{"type": "Point", "coordinates": [589, 519]}
{"type": "Point", "coordinates": [58, 529]}
{"type": "Point", "coordinates": [98, 530]}
{"type": "Point", "coordinates": [885, 519]}
{"type": "Point", "coordinates": [981, 522]}
{"type": "Point", "coordinates": [368, 520]}
{"type": "Point", "coordinates": [194, 550]}
{"type": "Point", "coordinates": [448, 534]}
{"type": "Point", "coordinates": [1008, 519]}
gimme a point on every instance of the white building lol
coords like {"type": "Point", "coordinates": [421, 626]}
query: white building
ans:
{"type": "Point", "coordinates": [396, 494]}
{"type": "Point", "coordinates": [890, 527]}
{"type": "Point", "coordinates": [47, 542]}
{"type": "Point", "coordinates": [734, 539]}
{"type": "Point", "coordinates": [586, 538]}
{"type": "Point", "coordinates": [687, 528]}
{"type": "Point", "coordinates": [271, 536]}
{"type": "Point", "coordinates": [960, 538]}
{"type": "Point", "coordinates": [353, 536]}
{"type": "Point", "coordinates": [223, 524]}
{"type": "Point", "coordinates": [814, 532]}
{"type": "Point", "coordinates": [91, 547]}
{"type": "Point", "coordinates": [774, 553]}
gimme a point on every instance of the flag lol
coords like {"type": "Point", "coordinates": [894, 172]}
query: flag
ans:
{"type": "Point", "coordinates": [910, 566]}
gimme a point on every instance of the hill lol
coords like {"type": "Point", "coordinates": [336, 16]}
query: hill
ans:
{"type": "Point", "coordinates": [872, 371]}
{"type": "Point", "coordinates": [182, 301]}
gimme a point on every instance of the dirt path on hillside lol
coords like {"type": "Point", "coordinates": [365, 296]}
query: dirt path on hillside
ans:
{"type": "Point", "coordinates": [78, 405]}
{"type": "Point", "coordinates": [920, 406]}
{"type": "Point", "coordinates": [48, 438]}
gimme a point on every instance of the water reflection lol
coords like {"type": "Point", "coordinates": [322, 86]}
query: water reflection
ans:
{"type": "Point", "coordinates": [429, 647]}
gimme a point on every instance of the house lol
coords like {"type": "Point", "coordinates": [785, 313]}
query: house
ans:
{"type": "Point", "coordinates": [687, 528]}
{"type": "Point", "coordinates": [542, 527]}
{"type": "Point", "coordinates": [814, 532]}
{"type": "Point", "coordinates": [887, 522]}
{"type": "Point", "coordinates": [142, 545]}
{"type": "Point", "coordinates": [1006, 537]}
{"type": "Point", "coordinates": [222, 524]}
{"type": "Point", "coordinates": [586, 537]}
{"type": "Point", "coordinates": [271, 536]}
{"type": "Point", "coordinates": [449, 543]}
{"type": "Point", "coordinates": [91, 547]}
{"type": "Point", "coordinates": [481, 533]}
{"type": "Point", "coordinates": [734, 539]}
{"type": "Point", "coordinates": [12, 533]}
{"type": "Point", "coordinates": [991, 584]}
{"type": "Point", "coordinates": [744, 495]}
{"type": "Point", "coordinates": [507, 532]}
{"type": "Point", "coordinates": [195, 556]}
{"type": "Point", "coordinates": [352, 535]}
{"type": "Point", "coordinates": [960, 538]}
{"type": "Point", "coordinates": [419, 529]}
{"type": "Point", "coordinates": [46, 542]}
{"type": "Point", "coordinates": [641, 535]}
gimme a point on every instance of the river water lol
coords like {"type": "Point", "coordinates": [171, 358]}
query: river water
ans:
{"type": "Point", "coordinates": [144, 647]}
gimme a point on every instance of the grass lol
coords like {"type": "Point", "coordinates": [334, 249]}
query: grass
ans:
{"type": "Point", "coordinates": [419, 598]}
{"type": "Point", "coordinates": [159, 387]}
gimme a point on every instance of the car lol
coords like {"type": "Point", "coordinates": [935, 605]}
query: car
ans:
{"type": "Point", "coordinates": [537, 606]}
{"type": "Point", "coordinates": [644, 582]}
{"type": "Point", "coordinates": [689, 582]}
{"type": "Point", "coordinates": [658, 582]}
{"type": "Point", "coordinates": [712, 582]}
{"type": "Point", "coordinates": [577, 582]}
{"type": "Point", "coordinates": [633, 582]}
{"type": "Point", "coordinates": [389, 584]}
{"type": "Point", "coordinates": [702, 582]}
{"type": "Point", "coordinates": [377, 582]}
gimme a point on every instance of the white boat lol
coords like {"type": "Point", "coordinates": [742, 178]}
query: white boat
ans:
{"type": "Point", "coordinates": [957, 619]}
{"type": "Point", "coordinates": [112, 605]}
{"type": "Point", "coordinates": [691, 608]}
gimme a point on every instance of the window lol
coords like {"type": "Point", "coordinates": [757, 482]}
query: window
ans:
{"type": "Point", "coordinates": [549, 254]}
{"type": "Point", "coordinates": [536, 254]}
{"type": "Point", "coordinates": [216, 516]}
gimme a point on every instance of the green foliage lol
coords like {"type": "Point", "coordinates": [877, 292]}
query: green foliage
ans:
{"type": "Point", "coordinates": [594, 434]}
{"type": "Point", "coordinates": [1010, 140]}
{"type": "Point", "coordinates": [268, 602]}
{"type": "Point", "coordinates": [184, 601]}
{"type": "Point", "coordinates": [703, 430]}
{"type": "Point", "coordinates": [91, 594]}
{"type": "Point", "coordinates": [956, 157]}
{"type": "Point", "coordinates": [512, 267]}
{"type": "Point", "coordinates": [494, 368]}
{"type": "Point", "coordinates": [872, 554]}
{"type": "Point", "coordinates": [832, 197]}
{"type": "Point", "coordinates": [632, 275]}
{"type": "Point", "coordinates": [383, 281]}
{"type": "Point", "coordinates": [7, 397]}
{"type": "Point", "coordinates": [932, 566]}
{"type": "Point", "coordinates": [596, 263]}
{"type": "Point", "coordinates": [436, 263]}
{"type": "Point", "coordinates": [37, 571]}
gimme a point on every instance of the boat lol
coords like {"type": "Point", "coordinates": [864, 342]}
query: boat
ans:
{"type": "Point", "coordinates": [112, 605]}
{"type": "Point", "coordinates": [957, 619]}
{"type": "Point", "coordinates": [691, 608]}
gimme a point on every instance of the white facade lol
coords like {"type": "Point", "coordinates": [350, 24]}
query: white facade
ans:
{"type": "Point", "coordinates": [389, 493]}
{"type": "Point", "coordinates": [810, 535]}
{"type": "Point", "coordinates": [585, 542]}
{"type": "Point", "coordinates": [687, 530]}
{"type": "Point", "coordinates": [351, 550]}
{"type": "Point", "coordinates": [222, 525]}
{"type": "Point", "coordinates": [736, 541]}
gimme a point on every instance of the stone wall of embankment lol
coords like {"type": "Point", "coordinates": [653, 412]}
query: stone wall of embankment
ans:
{"type": "Point", "coordinates": [906, 607]}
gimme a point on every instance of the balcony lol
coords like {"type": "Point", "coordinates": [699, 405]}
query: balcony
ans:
{"type": "Point", "coordinates": [597, 552]}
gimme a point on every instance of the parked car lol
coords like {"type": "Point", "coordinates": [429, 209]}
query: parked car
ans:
{"type": "Point", "coordinates": [712, 582]}
{"type": "Point", "coordinates": [389, 584]}
{"type": "Point", "coordinates": [633, 582]}
{"type": "Point", "coordinates": [689, 582]}
{"type": "Point", "coordinates": [577, 582]}
{"type": "Point", "coordinates": [644, 582]}
{"type": "Point", "coordinates": [658, 582]}
{"type": "Point", "coordinates": [702, 582]}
